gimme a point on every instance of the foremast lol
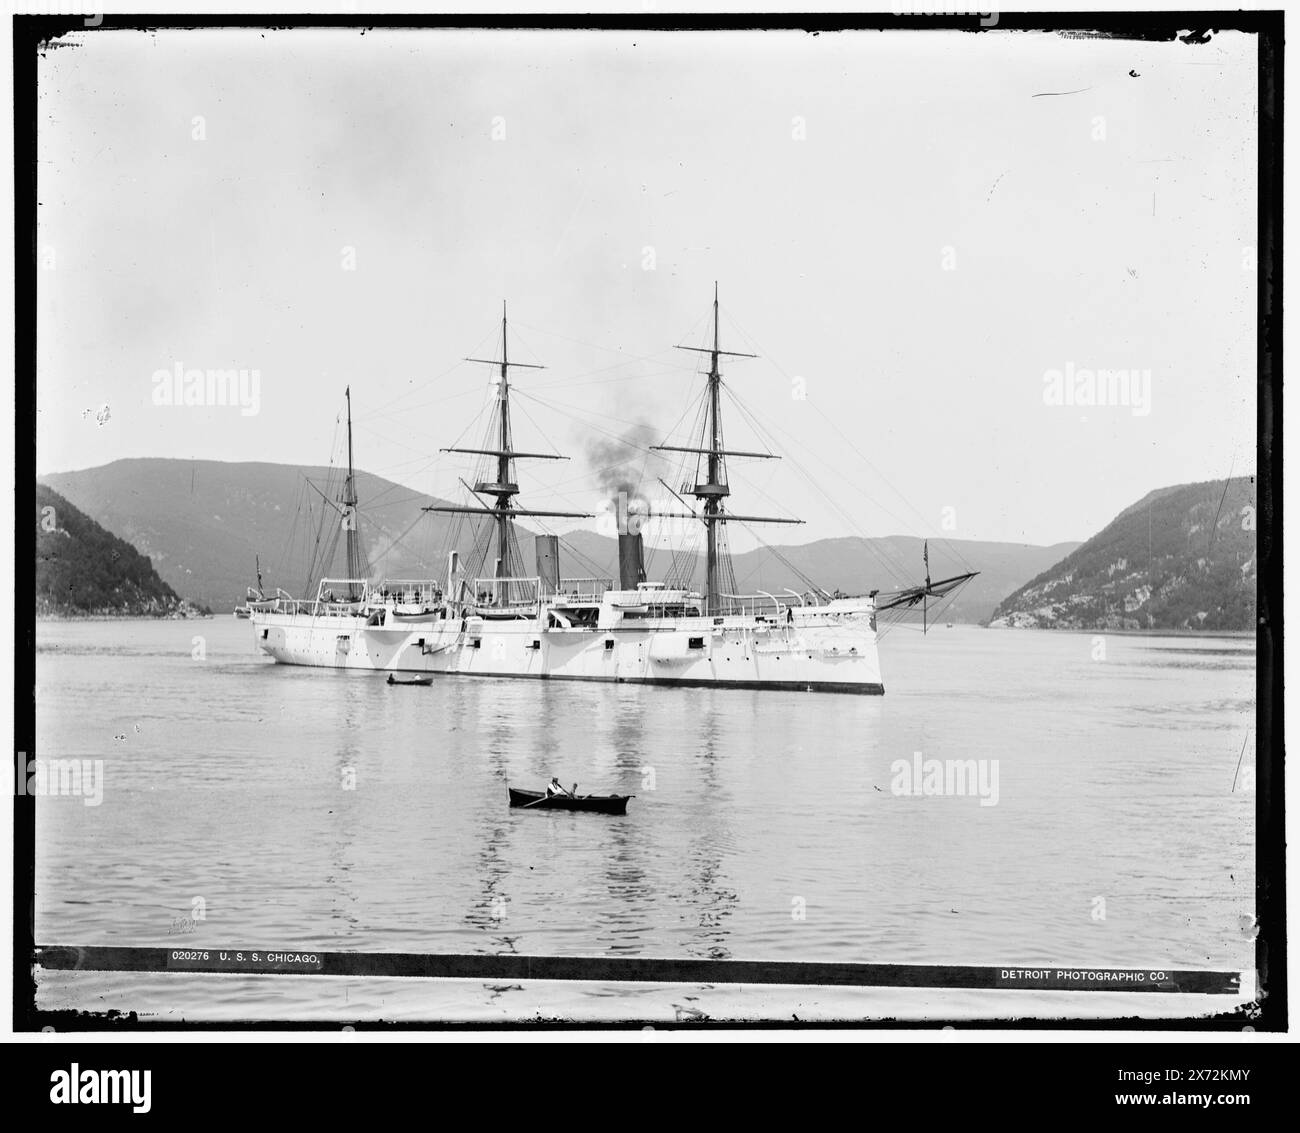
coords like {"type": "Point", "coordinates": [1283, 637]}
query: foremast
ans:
{"type": "Point", "coordinates": [503, 488]}
{"type": "Point", "coordinates": [714, 489]}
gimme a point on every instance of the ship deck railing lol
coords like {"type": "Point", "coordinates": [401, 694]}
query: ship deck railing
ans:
{"type": "Point", "coordinates": [508, 593]}
{"type": "Point", "coordinates": [765, 604]}
{"type": "Point", "coordinates": [409, 591]}
{"type": "Point", "coordinates": [582, 589]}
{"type": "Point", "coordinates": [753, 605]}
{"type": "Point", "coordinates": [356, 590]}
{"type": "Point", "coordinates": [314, 607]}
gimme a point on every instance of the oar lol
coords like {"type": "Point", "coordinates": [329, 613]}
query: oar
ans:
{"type": "Point", "coordinates": [543, 799]}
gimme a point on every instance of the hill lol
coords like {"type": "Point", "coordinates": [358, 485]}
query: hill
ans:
{"type": "Point", "coordinates": [203, 523]}
{"type": "Point", "coordinates": [1180, 558]}
{"type": "Point", "coordinates": [82, 569]}
{"type": "Point", "coordinates": [206, 523]}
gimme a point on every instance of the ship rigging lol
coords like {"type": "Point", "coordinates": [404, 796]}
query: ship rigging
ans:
{"type": "Point", "coordinates": [498, 620]}
{"type": "Point", "coordinates": [504, 488]}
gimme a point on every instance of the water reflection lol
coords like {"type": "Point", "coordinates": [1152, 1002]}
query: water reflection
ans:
{"type": "Point", "coordinates": [355, 772]}
{"type": "Point", "coordinates": [630, 894]}
{"type": "Point", "coordinates": [710, 896]}
{"type": "Point", "coordinates": [491, 911]}
{"type": "Point", "coordinates": [346, 826]}
{"type": "Point", "coordinates": [499, 717]}
{"type": "Point", "coordinates": [630, 897]}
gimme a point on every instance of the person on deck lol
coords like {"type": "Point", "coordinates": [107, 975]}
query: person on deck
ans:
{"type": "Point", "coordinates": [553, 788]}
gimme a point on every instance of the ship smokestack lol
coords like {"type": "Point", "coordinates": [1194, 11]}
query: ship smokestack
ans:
{"type": "Point", "coordinates": [631, 561]}
{"type": "Point", "coordinates": [548, 563]}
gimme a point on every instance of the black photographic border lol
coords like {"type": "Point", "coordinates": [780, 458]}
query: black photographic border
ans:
{"type": "Point", "coordinates": [32, 35]}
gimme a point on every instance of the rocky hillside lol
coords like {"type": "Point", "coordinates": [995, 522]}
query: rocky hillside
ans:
{"type": "Point", "coordinates": [82, 569]}
{"type": "Point", "coordinates": [1181, 558]}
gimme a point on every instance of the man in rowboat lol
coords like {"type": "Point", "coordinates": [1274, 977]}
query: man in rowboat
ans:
{"type": "Point", "coordinates": [553, 788]}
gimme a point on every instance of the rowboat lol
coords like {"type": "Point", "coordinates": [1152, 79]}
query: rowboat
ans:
{"type": "Point", "coordinates": [392, 680]}
{"type": "Point", "coordinates": [601, 804]}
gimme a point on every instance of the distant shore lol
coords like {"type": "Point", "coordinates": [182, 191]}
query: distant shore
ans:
{"type": "Point", "coordinates": [65, 617]}
{"type": "Point", "coordinates": [1231, 633]}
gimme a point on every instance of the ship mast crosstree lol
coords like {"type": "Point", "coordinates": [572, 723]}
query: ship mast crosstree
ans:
{"type": "Point", "coordinates": [504, 488]}
{"type": "Point", "coordinates": [714, 489]}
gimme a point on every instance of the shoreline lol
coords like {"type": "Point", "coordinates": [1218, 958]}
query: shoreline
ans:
{"type": "Point", "coordinates": [124, 617]}
{"type": "Point", "coordinates": [1238, 634]}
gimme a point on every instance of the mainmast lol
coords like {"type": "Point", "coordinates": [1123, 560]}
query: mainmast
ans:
{"type": "Point", "coordinates": [503, 488]}
{"type": "Point", "coordinates": [715, 489]}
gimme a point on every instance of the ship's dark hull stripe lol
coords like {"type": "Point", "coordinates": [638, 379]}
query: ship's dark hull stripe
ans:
{"type": "Point", "coordinates": [861, 688]}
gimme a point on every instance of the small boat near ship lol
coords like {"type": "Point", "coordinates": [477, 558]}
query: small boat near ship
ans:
{"type": "Point", "coordinates": [392, 680]}
{"type": "Point", "coordinates": [597, 804]}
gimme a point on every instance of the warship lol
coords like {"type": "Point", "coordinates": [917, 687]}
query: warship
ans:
{"type": "Point", "coordinates": [493, 617]}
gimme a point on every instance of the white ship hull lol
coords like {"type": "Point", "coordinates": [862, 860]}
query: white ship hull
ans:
{"type": "Point", "coordinates": [548, 627]}
{"type": "Point", "coordinates": [821, 650]}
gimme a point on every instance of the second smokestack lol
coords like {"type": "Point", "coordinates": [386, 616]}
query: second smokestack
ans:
{"type": "Point", "coordinates": [631, 561]}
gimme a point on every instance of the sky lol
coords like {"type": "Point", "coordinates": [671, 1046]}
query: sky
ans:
{"type": "Point", "coordinates": [933, 240]}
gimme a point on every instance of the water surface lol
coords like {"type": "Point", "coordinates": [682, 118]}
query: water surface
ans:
{"type": "Point", "coordinates": [309, 809]}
